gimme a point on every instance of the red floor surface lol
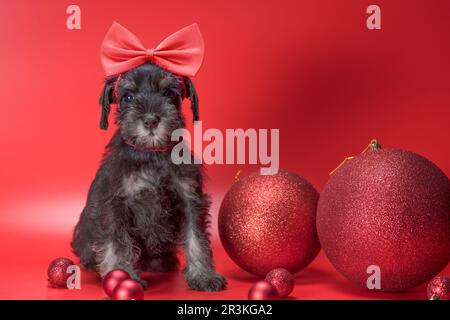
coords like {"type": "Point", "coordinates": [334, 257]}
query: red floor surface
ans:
{"type": "Point", "coordinates": [28, 245]}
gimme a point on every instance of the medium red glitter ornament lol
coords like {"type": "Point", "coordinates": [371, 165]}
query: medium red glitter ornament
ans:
{"type": "Point", "coordinates": [112, 279]}
{"type": "Point", "coordinates": [262, 290]}
{"type": "Point", "coordinates": [128, 290]}
{"type": "Point", "coordinates": [269, 221]}
{"type": "Point", "coordinates": [389, 208]}
{"type": "Point", "coordinates": [57, 272]}
{"type": "Point", "coordinates": [439, 288]}
{"type": "Point", "coordinates": [282, 280]}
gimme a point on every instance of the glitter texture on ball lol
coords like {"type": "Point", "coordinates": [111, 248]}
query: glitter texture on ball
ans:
{"type": "Point", "coordinates": [269, 221]}
{"type": "Point", "coordinates": [389, 208]}
{"type": "Point", "coordinates": [57, 272]}
{"type": "Point", "coordinates": [439, 288]}
{"type": "Point", "coordinates": [282, 280]}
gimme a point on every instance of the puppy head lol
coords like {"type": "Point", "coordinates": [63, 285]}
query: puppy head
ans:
{"type": "Point", "coordinates": [149, 100]}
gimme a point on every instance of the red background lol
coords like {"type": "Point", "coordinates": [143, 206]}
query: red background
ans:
{"type": "Point", "coordinates": [310, 68]}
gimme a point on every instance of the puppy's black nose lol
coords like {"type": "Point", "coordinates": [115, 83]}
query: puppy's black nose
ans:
{"type": "Point", "coordinates": [151, 121]}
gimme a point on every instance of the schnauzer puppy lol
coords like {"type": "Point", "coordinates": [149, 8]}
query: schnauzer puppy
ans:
{"type": "Point", "coordinates": [141, 206]}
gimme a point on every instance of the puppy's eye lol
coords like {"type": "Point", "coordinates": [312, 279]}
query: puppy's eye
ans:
{"type": "Point", "coordinates": [171, 94]}
{"type": "Point", "coordinates": [128, 97]}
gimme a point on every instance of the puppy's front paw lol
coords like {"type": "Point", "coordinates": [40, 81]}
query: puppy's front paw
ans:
{"type": "Point", "coordinates": [205, 281]}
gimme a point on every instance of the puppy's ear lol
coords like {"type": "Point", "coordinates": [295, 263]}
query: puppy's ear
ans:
{"type": "Point", "coordinates": [191, 93]}
{"type": "Point", "coordinates": [106, 98]}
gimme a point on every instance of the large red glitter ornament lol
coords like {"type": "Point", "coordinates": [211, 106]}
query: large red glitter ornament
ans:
{"type": "Point", "coordinates": [388, 208]}
{"type": "Point", "coordinates": [112, 279]}
{"type": "Point", "coordinates": [262, 290]}
{"type": "Point", "coordinates": [439, 288]}
{"type": "Point", "coordinates": [57, 272]}
{"type": "Point", "coordinates": [128, 290]}
{"type": "Point", "coordinates": [282, 280]}
{"type": "Point", "coordinates": [268, 222]}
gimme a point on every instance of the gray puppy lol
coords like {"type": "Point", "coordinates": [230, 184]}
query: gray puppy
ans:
{"type": "Point", "coordinates": [141, 206]}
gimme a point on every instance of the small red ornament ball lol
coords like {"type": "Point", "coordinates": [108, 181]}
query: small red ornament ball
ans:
{"type": "Point", "coordinates": [282, 280]}
{"type": "Point", "coordinates": [388, 208]}
{"type": "Point", "coordinates": [57, 272]}
{"type": "Point", "coordinates": [112, 280]}
{"type": "Point", "coordinates": [269, 221]}
{"type": "Point", "coordinates": [439, 288]}
{"type": "Point", "coordinates": [128, 290]}
{"type": "Point", "coordinates": [262, 290]}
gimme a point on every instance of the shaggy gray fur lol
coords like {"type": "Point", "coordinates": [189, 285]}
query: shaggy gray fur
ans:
{"type": "Point", "coordinates": [141, 207]}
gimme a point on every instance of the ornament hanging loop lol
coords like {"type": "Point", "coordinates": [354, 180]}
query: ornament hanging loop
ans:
{"type": "Point", "coordinates": [373, 145]}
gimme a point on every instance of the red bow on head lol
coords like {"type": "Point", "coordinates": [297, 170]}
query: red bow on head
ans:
{"type": "Point", "coordinates": [181, 53]}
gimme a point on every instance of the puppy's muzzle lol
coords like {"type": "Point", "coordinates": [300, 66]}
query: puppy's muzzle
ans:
{"type": "Point", "coordinates": [151, 121]}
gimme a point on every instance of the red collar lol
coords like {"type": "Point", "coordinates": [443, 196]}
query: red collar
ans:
{"type": "Point", "coordinates": [152, 149]}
